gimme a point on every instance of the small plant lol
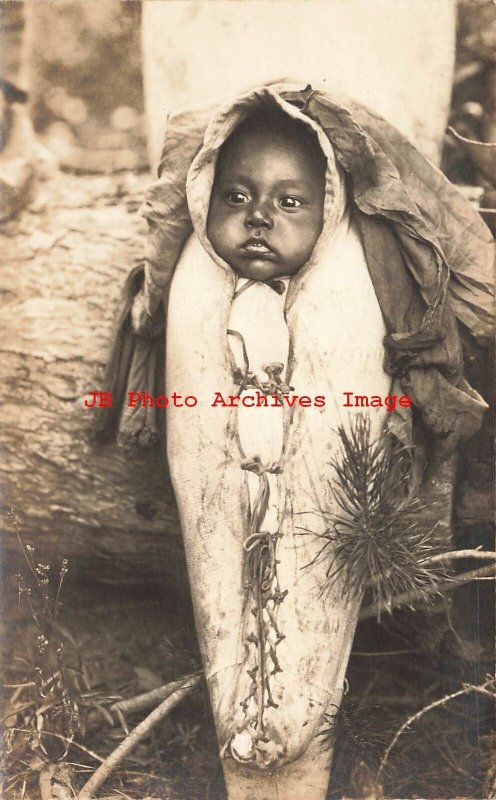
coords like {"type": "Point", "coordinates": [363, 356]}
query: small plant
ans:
{"type": "Point", "coordinates": [44, 715]}
{"type": "Point", "coordinates": [379, 539]}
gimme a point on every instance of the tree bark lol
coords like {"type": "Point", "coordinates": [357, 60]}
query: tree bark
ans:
{"type": "Point", "coordinates": [110, 512]}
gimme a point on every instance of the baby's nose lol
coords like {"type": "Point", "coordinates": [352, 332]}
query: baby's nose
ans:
{"type": "Point", "coordinates": [259, 216]}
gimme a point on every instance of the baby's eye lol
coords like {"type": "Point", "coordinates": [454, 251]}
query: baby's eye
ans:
{"type": "Point", "coordinates": [290, 202]}
{"type": "Point", "coordinates": [236, 198]}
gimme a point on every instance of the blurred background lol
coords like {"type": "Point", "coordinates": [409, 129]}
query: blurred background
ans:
{"type": "Point", "coordinates": [82, 64]}
{"type": "Point", "coordinates": [80, 61]}
{"type": "Point", "coordinates": [85, 89]}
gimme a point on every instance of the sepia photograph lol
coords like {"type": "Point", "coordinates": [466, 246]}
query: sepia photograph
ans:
{"type": "Point", "coordinates": [247, 474]}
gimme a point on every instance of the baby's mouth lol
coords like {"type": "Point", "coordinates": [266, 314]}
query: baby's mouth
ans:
{"type": "Point", "coordinates": [256, 247]}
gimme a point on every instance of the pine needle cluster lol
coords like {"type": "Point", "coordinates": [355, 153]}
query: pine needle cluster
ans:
{"type": "Point", "coordinates": [380, 539]}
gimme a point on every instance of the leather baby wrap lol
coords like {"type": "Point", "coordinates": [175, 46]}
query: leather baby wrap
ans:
{"type": "Point", "coordinates": [275, 647]}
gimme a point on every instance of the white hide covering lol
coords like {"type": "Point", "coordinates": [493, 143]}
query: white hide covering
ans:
{"type": "Point", "coordinates": [328, 331]}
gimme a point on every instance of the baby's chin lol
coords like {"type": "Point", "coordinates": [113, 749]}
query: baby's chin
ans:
{"type": "Point", "coordinates": [259, 270]}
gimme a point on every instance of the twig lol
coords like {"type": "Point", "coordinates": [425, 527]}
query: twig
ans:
{"type": "Point", "coordinates": [466, 690]}
{"type": "Point", "coordinates": [19, 687]}
{"type": "Point", "coordinates": [149, 699]}
{"type": "Point", "coordinates": [141, 730]}
{"type": "Point", "coordinates": [407, 598]}
{"type": "Point", "coordinates": [481, 689]}
{"type": "Point", "coordinates": [488, 145]}
{"type": "Point", "coordinates": [485, 555]}
{"type": "Point", "coordinates": [65, 740]}
{"type": "Point", "coordinates": [383, 653]}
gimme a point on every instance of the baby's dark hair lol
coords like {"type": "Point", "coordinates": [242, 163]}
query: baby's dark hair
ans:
{"type": "Point", "coordinates": [273, 120]}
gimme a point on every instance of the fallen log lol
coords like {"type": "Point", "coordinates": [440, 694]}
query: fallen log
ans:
{"type": "Point", "coordinates": [62, 272]}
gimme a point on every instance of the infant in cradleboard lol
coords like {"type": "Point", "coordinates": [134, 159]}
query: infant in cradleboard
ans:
{"type": "Point", "coordinates": [299, 248]}
{"type": "Point", "coordinates": [269, 297]}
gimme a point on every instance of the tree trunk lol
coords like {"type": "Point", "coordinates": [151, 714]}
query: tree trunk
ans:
{"type": "Point", "coordinates": [396, 58]}
{"type": "Point", "coordinates": [108, 511]}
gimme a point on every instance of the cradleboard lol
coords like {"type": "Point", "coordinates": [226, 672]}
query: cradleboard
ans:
{"type": "Point", "coordinates": [254, 489]}
{"type": "Point", "coordinates": [255, 484]}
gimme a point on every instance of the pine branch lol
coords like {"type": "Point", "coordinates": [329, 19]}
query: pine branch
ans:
{"type": "Point", "coordinates": [380, 537]}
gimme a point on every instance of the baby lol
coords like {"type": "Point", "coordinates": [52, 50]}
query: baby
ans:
{"type": "Point", "coordinates": [265, 217]}
{"type": "Point", "coordinates": [267, 202]}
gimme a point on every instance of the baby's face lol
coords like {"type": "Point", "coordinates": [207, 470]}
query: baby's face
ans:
{"type": "Point", "coordinates": [266, 208]}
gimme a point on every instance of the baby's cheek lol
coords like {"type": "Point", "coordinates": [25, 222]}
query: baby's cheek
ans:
{"type": "Point", "coordinates": [218, 239]}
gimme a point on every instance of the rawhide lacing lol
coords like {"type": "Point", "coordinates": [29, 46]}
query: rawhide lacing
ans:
{"type": "Point", "coordinates": [246, 379]}
{"type": "Point", "coordinates": [263, 588]}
